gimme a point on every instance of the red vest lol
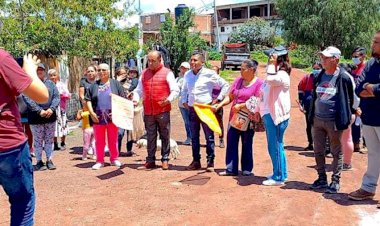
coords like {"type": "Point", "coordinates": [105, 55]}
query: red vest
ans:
{"type": "Point", "coordinates": [155, 89]}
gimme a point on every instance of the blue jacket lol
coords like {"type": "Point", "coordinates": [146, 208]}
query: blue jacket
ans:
{"type": "Point", "coordinates": [370, 106]}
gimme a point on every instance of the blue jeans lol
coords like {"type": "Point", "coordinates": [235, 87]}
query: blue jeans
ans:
{"type": "Point", "coordinates": [275, 139]}
{"type": "Point", "coordinates": [120, 136]}
{"type": "Point", "coordinates": [195, 125]}
{"type": "Point", "coordinates": [16, 177]}
{"type": "Point", "coordinates": [232, 151]}
{"type": "Point", "coordinates": [186, 120]}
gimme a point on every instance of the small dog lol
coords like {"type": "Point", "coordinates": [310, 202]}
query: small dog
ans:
{"type": "Point", "coordinates": [174, 150]}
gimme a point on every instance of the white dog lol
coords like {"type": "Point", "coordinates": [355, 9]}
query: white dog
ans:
{"type": "Point", "coordinates": [174, 150]}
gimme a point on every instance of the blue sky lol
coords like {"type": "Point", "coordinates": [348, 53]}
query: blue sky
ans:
{"type": "Point", "coordinates": [159, 6]}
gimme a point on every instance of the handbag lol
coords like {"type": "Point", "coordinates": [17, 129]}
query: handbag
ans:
{"type": "Point", "coordinates": [258, 123]}
{"type": "Point", "coordinates": [240, 120]}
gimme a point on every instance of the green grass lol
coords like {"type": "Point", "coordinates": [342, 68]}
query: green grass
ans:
{"type": "Point", "coordinates": [227, 75]}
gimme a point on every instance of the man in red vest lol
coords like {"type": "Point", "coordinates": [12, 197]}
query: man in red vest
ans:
{"type": "Point", "coordinates": [158, 88]}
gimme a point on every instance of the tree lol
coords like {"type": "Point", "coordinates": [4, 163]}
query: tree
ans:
{"type": "Point", "coordinates": [177, 39]}
{"type": "Point", "coordinates": [256, 31]}
{"type": "Point", "coordinates": [344, 24]}
{"type": "Point", "coordinates": [80, 28]}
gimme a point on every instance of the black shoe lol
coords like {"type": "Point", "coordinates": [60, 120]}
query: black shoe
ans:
{"type": "Point", "coordinates": [333, 188]}
{"type": "Point", "coordinates": [309, 148]}
{"type": "Point", "coordinates": [321, 182]}
{"type": "Point", "coordinates": [40, 166]}
{"type": "Point", "coordinates": [129, 154]}
{"type": "Point", "coordinates": [63, 146]}
{"type": "Point", "coordinates": [210, 167]}
{"type": "Point", "coordinates": [56, 148]}
{"type": "Point", "coordinates": [50, 165]}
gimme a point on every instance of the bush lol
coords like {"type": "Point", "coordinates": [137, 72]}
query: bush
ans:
{"type": "Point", "coordinates": [303, 56]}
{"type": "Point", "coordinates": [214, 55]}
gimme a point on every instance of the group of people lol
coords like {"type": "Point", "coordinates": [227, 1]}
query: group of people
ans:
{"type": "Point", "coordinates": [332, 98]}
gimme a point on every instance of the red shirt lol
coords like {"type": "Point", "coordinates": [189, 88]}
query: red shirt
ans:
{"type": "Point", "coordinates": [13, 81]}
{"type": "Point", "coordinates": [358, 70]}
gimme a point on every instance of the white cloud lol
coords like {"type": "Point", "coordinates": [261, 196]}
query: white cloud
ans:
{"type": "Point", "coordinates": [160, 6]}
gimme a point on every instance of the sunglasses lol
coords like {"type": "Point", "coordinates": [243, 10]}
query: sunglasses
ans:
{"type": "Point", "coordinates": [99, 70]}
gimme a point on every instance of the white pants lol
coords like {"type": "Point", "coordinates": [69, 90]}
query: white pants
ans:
{"type": "Point", "coordinates": [372, 140]}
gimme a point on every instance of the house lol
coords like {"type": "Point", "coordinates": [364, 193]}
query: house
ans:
{"type": "Point", "coordinates": [231, 16]}
{"type": "Point", "coordinates": [151, 26]}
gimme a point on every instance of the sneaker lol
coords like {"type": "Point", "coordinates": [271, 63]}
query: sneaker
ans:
{"type": "Point", "coordinates": [194, 165]}
{"type": "Point", "coordinates": [116, 163]}
{"type": "Point", "coordinates": [360, 195]}
{"type": "Point", "coordinates": [247, 173]}
{"type": "Point", "coordinates": [347, 167]}
{"type": "Point", "coordinates": [363, 150]}
{"type": "Point", "coordinates": [309, 148]}
{"type": "Point", "coordinates": [147, 166]}
{"type": "Point", "coordinates": [32, 154]}
{"type": "Point", "coordinates": [129, 154]}
{"type": "Point", "coordinates": [97, 166]}
{"type": "Point", "coordinates": [40, 166]}
{"type": "Point", "coordinates": [84, 158]}
{"type": "Point", "coordinates": [210, 167]}
{"type": "Point", "coordinates": [221, 143]}
{"type": "Point", "coordinates": [271, 182]}
{"type": "Point", "coordinates": [50, 165]}
{"type": "Point", "coordinates": [63, 146]}
{"type": "Point", "coordinates": [226, 173]}
{"type": "Point", "coordinates": [319, 183]}
{"type": "Point", "coordinates": [333, 188]}
{"type": "Point", "coordinates": [187, 141]}
{"type": "Point", "coordinates": [90, 151]}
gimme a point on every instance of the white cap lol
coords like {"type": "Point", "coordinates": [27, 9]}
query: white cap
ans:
{"type": "Point", "coordinates": [185, 65]}
{"type": "Point", "coordinates": [331, 51]}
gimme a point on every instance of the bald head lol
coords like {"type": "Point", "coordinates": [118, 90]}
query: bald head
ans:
{"type": "Point", "coordinates": [154, 60]}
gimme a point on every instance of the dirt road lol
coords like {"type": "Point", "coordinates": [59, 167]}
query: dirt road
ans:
{"type": "Point", "coordinates": [74, 194]}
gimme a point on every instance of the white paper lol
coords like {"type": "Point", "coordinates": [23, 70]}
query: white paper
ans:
{"type": "Point", "coordinates": [122, 112]}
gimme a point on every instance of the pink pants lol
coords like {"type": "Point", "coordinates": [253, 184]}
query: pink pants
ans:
{"type": "Point", "coordinates": [100, 137]}
{"type": "Point", "coordinates": [347, 143]}
{"type": "Point", "coordinates": [88, 141]}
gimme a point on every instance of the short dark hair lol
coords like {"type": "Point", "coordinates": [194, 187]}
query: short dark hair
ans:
{"type": "Point", "coordinates": [317, 62]}
{"type": "Point", "coordinates": [359, 49]}
{"type": "Point", "coordinates": [251, 63]}
{"type": "Point", "coordinates": [201, 56]}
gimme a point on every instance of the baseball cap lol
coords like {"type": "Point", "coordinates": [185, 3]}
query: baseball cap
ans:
{"type": "Point", "coordinates": [41, 65]}
{"type": "Point", "coordinates": [359, 49]}
{"type": "Point", "coordinates": [133, 69]}
{"type": "Point", "coordinates": [185, 65]}
{"type": "Point", "coordinates": [279, 50]}
{"type": "Point", "coordinates": [331, 51]}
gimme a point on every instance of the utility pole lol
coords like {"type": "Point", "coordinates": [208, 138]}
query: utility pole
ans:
{"type": "Point", "coordinates": [139, 54]}
{"type": "Point", "coordinates": [217, 26]}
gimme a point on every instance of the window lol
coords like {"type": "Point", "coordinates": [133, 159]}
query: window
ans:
{"type": "Point", "coordinates": [234, 28]}
{"type": "Point", "coordinates": [147, 20]}
{"type": "Point", "coordinates": [222, 29]}
{"type": "Point", "coordinates": [162, 18]}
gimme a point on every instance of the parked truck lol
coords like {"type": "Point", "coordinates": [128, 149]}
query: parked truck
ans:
{"type": "Point", "coordinates": [234, 54]}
